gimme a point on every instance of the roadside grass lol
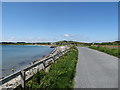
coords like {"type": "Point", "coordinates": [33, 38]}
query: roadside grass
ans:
{"type": "Point", "coordinates": [60, 75]}
{"type": "Point", "coordinates": [111, 51]}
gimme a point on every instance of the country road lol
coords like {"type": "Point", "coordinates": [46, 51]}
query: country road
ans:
{"type": "Point", "coordinates": [96, 69]}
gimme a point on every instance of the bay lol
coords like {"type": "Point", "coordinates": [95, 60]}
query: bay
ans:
{"type": "Point", "coordinates": [17, 57]}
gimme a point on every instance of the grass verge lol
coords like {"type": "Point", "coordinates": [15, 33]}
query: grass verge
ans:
{"type": "Point", "coordinates": [114, 52]}
{"type": "Point", "coordinates": [60, 74]}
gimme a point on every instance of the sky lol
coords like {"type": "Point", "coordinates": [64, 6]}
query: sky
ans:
{"type": "Point", "coordinates": [56, 21]}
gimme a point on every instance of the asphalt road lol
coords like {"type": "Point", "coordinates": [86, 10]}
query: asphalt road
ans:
{"type": "Point", "coordinates": [96, 69]}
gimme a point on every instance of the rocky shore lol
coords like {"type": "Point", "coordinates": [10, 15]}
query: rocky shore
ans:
{"type": "Point", "coordinates": [16, 81]}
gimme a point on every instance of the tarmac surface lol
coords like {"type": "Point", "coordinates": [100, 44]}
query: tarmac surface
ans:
{"type": "Point", "coordinates": [96, 69]}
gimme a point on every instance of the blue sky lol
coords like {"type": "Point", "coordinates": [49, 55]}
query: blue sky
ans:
{"type": "Point", "coordinates": [50, 21]}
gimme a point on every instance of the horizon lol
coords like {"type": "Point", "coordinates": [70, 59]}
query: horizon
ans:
{"type": "Point", "coordinates": [51, 21]}
{"type": "Point", "coordinates": [53, 42]}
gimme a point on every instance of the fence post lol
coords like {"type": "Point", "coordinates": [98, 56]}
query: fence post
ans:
{"type": "Point", "coordinates": [61, 53]}
{"type": "Point", "coordinates": [53, 59]}
{"type": "Point", "coordinates": [23, 79]}
{"type": "Point", "coordinates": [44, 64]}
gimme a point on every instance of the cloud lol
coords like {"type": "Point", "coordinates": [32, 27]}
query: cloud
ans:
{"type": "Point", "coordinates": [67, 35]}
{"type": "Point", "coordinates": [76, 37]}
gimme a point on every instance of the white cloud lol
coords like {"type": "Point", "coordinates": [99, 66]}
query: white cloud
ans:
{"type": "Point", "coordinates": [67, 35]}
{"type": "Point", "coordinates": [76, 37]}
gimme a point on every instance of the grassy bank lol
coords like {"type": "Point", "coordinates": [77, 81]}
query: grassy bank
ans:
{"type": "Point", "coordinates": [111, 51]}
{"type": "Point", "coordinates": [59, 75]}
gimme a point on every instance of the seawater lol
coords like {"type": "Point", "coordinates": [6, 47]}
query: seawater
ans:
{"type": "Point", "coordinates": [17, 57]}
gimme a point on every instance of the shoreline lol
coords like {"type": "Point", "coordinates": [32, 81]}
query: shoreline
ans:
{"type": "Point", "coordinates": [44, 56]}
{"type": "Point", "coordinates": [31, 69]}
{"type": "Point", "coordinates": [25, 45]}
{"type": "Point", "coordinates": [19, 68]}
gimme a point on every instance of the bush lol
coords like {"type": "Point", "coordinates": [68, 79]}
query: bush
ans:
{"type": "Point", "coordinates": [60, 74]}
{"type": "Point", "coordinates": [114, 52]}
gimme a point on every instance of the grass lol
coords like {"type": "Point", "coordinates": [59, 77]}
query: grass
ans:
{"type": "Point", "coordinates": [60, 74]}
{"type": "Point", "coordinates": [114, 52]}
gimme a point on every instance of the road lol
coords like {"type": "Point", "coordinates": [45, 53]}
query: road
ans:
{"type": "Point", "coordinates": [96, 69]}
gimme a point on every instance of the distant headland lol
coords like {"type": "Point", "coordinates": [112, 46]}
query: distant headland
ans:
{"type": "Point", "coordinates": [59, 43]}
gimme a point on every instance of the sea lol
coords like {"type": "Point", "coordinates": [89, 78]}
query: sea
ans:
{"type": "Point", "coordinates": [17, 57]}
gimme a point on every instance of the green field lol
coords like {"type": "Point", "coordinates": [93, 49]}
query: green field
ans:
{"type": "Point", "coordinates": [59, 75]}
{"type": "Point", "coordinates": [111, 51]}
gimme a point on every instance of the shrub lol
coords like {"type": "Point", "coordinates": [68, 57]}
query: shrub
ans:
{"type": "Point", "coordinates": [114, 52]}
{"type": "Point", "coordinates": [60, 74]}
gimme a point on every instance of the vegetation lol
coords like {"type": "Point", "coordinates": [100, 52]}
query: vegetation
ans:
{"type": "Point", "coordinates": [23, 43]}
{"type": "Point", "coordinates": [86, 44]}
{"type": "Point", "coordinates": [108, 43]}
{"type": "Point", "coordinates": [59, 43]}
{"type": "Point", "coordinates": [111, 51]}
{"type": "Point", "coordinates": [60, 74]}
{"type": "Point", "coordinates": [72, 43]}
